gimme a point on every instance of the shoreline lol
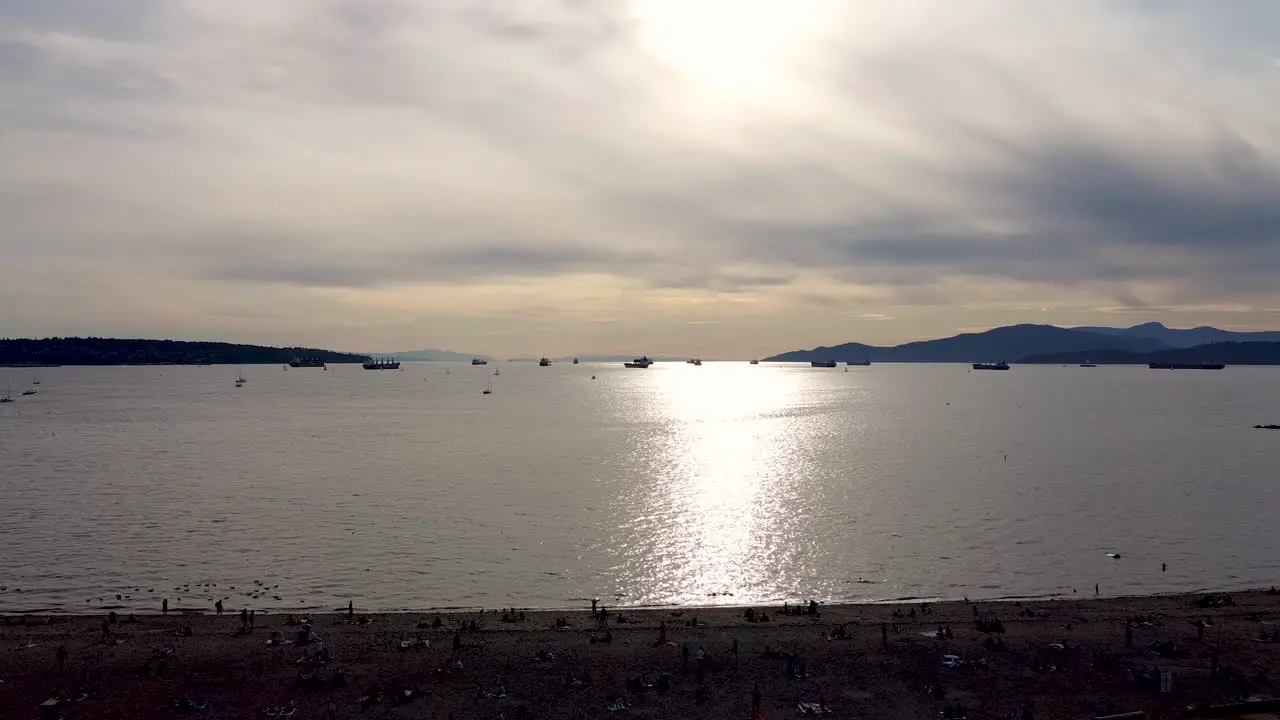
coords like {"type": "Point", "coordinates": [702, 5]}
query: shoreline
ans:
{"type": "Point", "coordinates": [1054, 659]}
{"type": "Point", "coordinates": [1244, 589]}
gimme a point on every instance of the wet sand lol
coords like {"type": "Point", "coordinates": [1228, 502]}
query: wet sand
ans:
{"type": "Point", "coordinates": [1060, 659]}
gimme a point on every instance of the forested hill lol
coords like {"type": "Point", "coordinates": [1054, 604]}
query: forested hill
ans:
{"type": "Point", "coordinates": [112, 351]}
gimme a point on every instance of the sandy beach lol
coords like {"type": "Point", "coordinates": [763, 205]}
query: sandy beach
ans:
{"type": "Point", "coordinates": [1054, 659]}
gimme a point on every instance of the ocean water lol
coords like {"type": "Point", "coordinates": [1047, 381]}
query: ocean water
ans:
{"type": "Point", "coordinates": [726, 483]}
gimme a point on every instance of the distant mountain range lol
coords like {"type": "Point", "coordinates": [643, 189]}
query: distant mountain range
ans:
{"type": "Point", "coordinates": [432, 355]}
{"type": "Point", "coordinates": [1050, 344]}
{"type": "Point", "coordinates": [1184, 338]}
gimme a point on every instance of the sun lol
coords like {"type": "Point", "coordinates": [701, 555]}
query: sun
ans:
{"type": "Point", "coordinates": [733, 47]}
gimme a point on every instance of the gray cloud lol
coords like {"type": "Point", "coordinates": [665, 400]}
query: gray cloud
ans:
{"type": "Point", "coordinates": [1115, 154]}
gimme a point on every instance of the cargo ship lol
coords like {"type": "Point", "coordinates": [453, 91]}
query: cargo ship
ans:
{"type": "Point", "coordinates": [822, 363]}
{"type": "Point", "coordinates": [1185, 366]}
{"type": "Point", "coordinates": [381, 364]}
{"type": "Point", "coordinates": [991, 366]}
{"type": "Point", "coordinates": [306, 362]}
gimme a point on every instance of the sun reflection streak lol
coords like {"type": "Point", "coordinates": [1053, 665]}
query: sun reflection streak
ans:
{"type": "Point", "coordinates": [721, 506]}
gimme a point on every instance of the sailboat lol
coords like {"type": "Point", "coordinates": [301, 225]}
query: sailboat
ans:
{"type": "Point", "coordinates": [35, 379]}
{"type": "Point", "coordinates": [488, 387]}
{"type": "Point", "coordinates": [8, 398]}
{"type": "Point", "coordinates": [496, 372]}
{"type": "Point", "coordinates": [240, 375]}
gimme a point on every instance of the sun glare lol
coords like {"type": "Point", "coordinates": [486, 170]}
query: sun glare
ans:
{"type": "Point", "coordinates": [732, 47]}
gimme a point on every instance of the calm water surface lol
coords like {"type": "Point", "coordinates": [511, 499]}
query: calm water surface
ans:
{"type": "Point", "coordinates": [725, 483]}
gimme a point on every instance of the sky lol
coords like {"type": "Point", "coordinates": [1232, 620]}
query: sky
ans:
{"type": "Point", "coordinates": [721, 178]}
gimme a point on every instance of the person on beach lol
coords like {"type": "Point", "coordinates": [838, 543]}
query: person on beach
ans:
{"type": "Point", "coordinates": [106, 629]}
{"type": "Point", "coordinates": [244, 619]}
{"type": "Point", "coordinates": [164, 606]}
{"type": "Point", "coordinates": [351, 611]}
{"type": "Point", "coordinates": [217, 608]}
{"type": "Point", "coordinates": [594, 602]}
{"type": "Point", "coordinates": [251, 619]}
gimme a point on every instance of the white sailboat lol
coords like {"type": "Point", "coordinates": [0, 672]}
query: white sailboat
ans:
{"type": "Point", "coordinates": [240, 375]}
{"type": "Point", "coordinates": [488, 387]}
{"type": "Point", "coordinates": [8, 398]}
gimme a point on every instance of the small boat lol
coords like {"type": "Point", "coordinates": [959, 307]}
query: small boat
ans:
{"type": "Point", "coordinates": [8, 398]}
{"type": "Point", "coordinates": [1185, 366]}
{"type": "Point", "coordinates": [35, 380]}
{"type": "Point", "coordinates": [29, 392]}
{"type": "Point", "coordinates": [640, 362]}
{"type": "Point", "coordinates": [991, 366]}
{"type": "Point", "coordinates": [1088, 364]}
{"type": "Point", "coordinates": [755, 362]}
{"type": "Point", "coordinates": [695, 361]}
{"type": "Point", "coordinates": [822, 363]}
{"type": "Point", "coordinates": [861, 363]}
{"type": "Point", "coordinates": [381, 364]}
{"type": "Point", "coordinates": [575, 361]}
{"type": "Point", "coordinates": [240, 375]}
{"type": "Point", "coordinates": [488, 387]}
{"type": "Point", "coordinates": [479, 361]}
{"type": "Point", "coordinates": [544, 362]}
{"type": "Point", "coordinates": [496, 372]}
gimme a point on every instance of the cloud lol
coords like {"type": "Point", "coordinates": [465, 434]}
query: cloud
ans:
{"type": "Point", "coordinates": [564, 154]}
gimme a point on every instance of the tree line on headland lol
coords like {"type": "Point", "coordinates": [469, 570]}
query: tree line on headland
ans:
{"type": "Point", "coordinates": [112, 351]}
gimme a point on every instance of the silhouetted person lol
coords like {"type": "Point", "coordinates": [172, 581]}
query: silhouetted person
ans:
{"type": "Point", "coordinates": [164, 606]}
{"type": "Point", "coordinates": [351, 611]}
{"type": "Point", "coordinates": [62, 658]}
{"type": "Point", "coordinates": [244, 619]}
{"type": "Point", "coordinates": [457, 642]}
{"type": "Point", "coordinates": [1164, 566]}
{"type": "Point", "coordinates": [593, 607]}
{"type": "Point", "coordinates": [1096, 591]}
{"type": "Point", "coordinates": [106, 629]}
{"type": "Point", "coordinates": [1128, 634]}
{"type": "Point", "coordinates": [217, 608]}
{"type": "Point", "coordinates": [755, 701]}
{"type": "Point", "coordinates": [662, 633]}
{"type": "Point", "coordinates": [251, 619]}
